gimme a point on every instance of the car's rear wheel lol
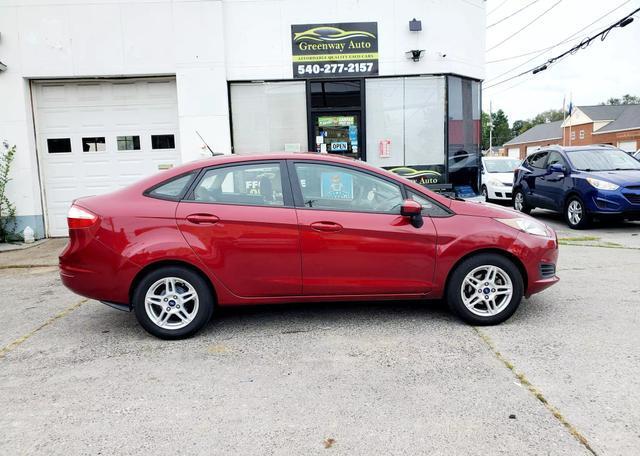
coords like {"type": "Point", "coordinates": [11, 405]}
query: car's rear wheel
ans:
{"type": "Point", "coordinates": [173, 302]}
{"type": "Point", "coordinates": [485, 289]}
{"type": "Point", "coordinates": [520, 203]}
{"type": "Point", "coordinates": [575, 213]}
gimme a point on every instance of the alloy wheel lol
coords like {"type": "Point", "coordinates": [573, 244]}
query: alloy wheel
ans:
{"type": "Point", "coordinates": [171, 303]}
{"type": "Point", "coordinates": [486, 290]}
{"type": "Point", "coordinates": [518, 202]}
{"type": "Point", "coordinates": [575, 212]}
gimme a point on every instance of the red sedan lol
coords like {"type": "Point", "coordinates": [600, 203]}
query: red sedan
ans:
{"type": "Point", "coordinates": [280, 228]}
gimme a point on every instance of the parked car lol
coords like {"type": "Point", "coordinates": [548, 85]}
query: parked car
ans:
{"type": "Point", "coordinates": [297, 228]}
{"type": "Point", "coordinates": [497, 177]}
{"type": "Point", "coordinates": [581, 182]}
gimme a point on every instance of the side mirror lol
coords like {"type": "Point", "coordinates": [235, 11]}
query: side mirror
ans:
{"type": "Point", "coordinates": [412, 209]}
{"type": "Point", "coordinates": [557, 168]}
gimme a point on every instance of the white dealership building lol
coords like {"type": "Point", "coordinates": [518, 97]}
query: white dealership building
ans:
{"type": "Point", "coordinates": [96, 94]}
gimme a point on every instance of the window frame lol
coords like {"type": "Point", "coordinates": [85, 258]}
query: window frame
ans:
{"type": "Point", "coordinates": [564, 160]}
{"type": "Point", "coordinates": [448, 212]}
{"type": "Point", "coordinates": [535, 154]}
{"type": "Point", "coordinates": [297, 191]}
{"type": "Point", "coordinates": [148, 192]}
{"type": "Point", "coordinates": [287, 196]}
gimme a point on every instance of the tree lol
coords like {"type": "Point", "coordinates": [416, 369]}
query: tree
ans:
{"type": "Point", "coordinates": [625, 100]}
{"type": "Point", "coordinates": [550, 115]}
{"type": "Point", "coordinates": [501, 130]}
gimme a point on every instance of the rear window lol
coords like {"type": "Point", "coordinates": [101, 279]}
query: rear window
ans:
{"type": "Point", "coordinates": [172, 189]}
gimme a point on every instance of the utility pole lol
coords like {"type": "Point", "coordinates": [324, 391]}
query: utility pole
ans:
{"type": "Point", "coordinates": [490, 128]}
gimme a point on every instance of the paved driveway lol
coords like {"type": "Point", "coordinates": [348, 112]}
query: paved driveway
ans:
{"type": "Point", "coordinates": [561, 377]}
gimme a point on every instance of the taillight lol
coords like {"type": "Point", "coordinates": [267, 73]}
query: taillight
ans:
{"type": "Point", "coordinates": [79, 217]}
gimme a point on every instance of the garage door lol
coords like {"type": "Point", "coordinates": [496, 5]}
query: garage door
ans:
{"type": "Point", "coordinates": [628, 146]}
{"type": "Point", "coordinates": [514, 152]}
{"type": "Point", "coordinates": [532, 149]}
{"type": "Point", "coordinates": [97, 136]}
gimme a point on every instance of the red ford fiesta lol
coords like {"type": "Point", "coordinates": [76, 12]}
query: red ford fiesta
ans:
{"type": "Point", "coordinates": [293, 228]}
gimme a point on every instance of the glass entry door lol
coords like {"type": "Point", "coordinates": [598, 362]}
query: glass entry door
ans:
{"type": "Point", "coordinates": [337, 133]}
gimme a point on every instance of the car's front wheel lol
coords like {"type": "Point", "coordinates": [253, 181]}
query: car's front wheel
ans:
{"type": "Point", "coordinates": [485, 193]}
{"type": "Point", "coordinates": [575, 213]}
{"type": "Point", "coordinates": [485, 289]}
{"type": "Point", "coordinates": [173, 302]}
{"type": "Point", "coordinates": [520, 203]}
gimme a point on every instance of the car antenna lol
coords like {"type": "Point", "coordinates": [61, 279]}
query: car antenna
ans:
{"type": "Point", "coordinates": [213, 154]}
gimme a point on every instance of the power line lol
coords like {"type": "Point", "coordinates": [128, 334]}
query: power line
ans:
{"type": "Point", "coordinates": [542, 51]}
{"type": "Point", "coordinates": [527, 25]}
{"type": "Point", "coordinates": [582, 45]}
{"type": "Point", "coordinates": [514, 13]}
{"type": "Point", "coordinates": [497, 7]}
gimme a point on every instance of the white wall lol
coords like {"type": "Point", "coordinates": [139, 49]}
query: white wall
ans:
{"type": "Point", "coordinates": [204, 44]}
{"type": "Point", "coordinates": [258, 32]}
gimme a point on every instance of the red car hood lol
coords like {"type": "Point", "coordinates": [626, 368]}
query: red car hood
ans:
{"type": "Point", "coordinates": [477, 209]}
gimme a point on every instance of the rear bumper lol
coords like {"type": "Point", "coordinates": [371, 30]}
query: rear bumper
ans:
{"type": "Point", "coordinates": [90, 269]}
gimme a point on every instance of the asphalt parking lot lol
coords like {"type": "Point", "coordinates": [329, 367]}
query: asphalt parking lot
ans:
{"type": "Point", "coordinates": [562, 377]}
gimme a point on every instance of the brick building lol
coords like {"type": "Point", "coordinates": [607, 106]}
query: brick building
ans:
{"type": "Point", "coordinates": [617, 125]}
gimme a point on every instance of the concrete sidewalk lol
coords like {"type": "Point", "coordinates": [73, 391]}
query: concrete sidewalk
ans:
{"type": "Point", "coordinates": [41, 254]}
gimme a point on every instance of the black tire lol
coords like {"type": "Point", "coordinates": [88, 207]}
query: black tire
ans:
{"type": "Point", "coordinates": [186, 276]}
{"type": "Point", "coordinates": [574, 202]}
{"type": "Point", "coordinates": [455, 289]}
{"type": "Point", "coordinates": [485, 193]}
{"type": "Point", "coordinates": [525, 208]}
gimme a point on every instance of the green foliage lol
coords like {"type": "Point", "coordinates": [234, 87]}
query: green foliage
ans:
{"type": "Point", "coordinates": [7, 209]}
{"type": "Point", "coordinates": [551, 115]}
{"type": "Point", "coordinates": [626, 99]}
{"type": "Point", "coordinates": [501, 131]}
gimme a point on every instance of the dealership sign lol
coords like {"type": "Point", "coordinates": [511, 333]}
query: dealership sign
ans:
{"type": "Point", "coordinates": [334, 50]}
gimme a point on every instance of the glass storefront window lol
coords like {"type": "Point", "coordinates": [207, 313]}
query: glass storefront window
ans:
{"type": "Point", "coordinates": [269, 117]}
{"type": "Point", "coordinates": [335, 94]}
{"type": "Point", "coordinates": [406, 126]}
{"type": "Point", "coordinates": [464, 132]}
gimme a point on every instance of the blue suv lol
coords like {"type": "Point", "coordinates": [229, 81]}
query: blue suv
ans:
{"type": "Point", "coordinates": [580, 182]}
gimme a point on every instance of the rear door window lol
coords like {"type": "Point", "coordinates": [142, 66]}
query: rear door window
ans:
{"type": "Point", "coordinates": [172, 189]}
{"type": "Point", "coordinates": [255, 184]}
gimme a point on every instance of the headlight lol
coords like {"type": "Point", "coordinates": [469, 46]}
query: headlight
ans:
{"type": "Point", "coordinates": [526, 225]}
{"type": "Point", "coordinates": [602, 185]}
{"type": "Point", "coordinates": [495, 182]}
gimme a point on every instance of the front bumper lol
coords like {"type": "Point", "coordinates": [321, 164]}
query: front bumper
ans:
{"type": "Point", "coordinates": [538, 255]}
{"type": "Point", "coordinates": [624, 202]}
{"type": "Point", "coordinates": [499, 192]}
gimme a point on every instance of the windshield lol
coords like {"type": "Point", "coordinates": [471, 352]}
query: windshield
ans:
{"type": "Point", "coordinates": [602, 160]}
{"type": "Point", "coordinates": [501, 166]}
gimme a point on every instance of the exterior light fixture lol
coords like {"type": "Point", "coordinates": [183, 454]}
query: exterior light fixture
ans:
{"type": "Point", "coordinates": [415, 25]}
{"type": "Point", "coordinates": [414, 54]}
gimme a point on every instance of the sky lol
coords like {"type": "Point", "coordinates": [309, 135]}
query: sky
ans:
{"type": "Point", "coordinates": [605, 69]}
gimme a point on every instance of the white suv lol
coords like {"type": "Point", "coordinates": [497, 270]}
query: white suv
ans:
{"type": "Point", "coordinates": [497, 177]}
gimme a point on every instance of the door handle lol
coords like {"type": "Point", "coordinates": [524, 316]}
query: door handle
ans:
{"type": "Point", "coordinates": [330, 227]}
{"type": "Point", "coordinates": [203, 219]}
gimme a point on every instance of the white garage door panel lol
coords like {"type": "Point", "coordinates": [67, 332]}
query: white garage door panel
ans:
{"type": "Point", "coordinates": [76, 109]}
{"type": "Point", "coordinates": [629, 146]}
{"type": "Point", "coordinates": [514, 152]}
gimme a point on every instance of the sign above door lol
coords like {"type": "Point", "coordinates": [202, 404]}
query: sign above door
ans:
{"type": "Point", "coordinates": [334, 50]}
